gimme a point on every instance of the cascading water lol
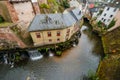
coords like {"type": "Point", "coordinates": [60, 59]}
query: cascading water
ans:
{"type": "Point", "coordinates": [5, 59]}
{"type": "Point", "coordinates": [51, 54]}
{"type": "Point", "coordinates": [83, 28]}
{"type": "Point", "coordinates": [74, 44]}
{"type": "Point", "coordinates": [35, 55]}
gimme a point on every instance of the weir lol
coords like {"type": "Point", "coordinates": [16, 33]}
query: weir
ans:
{"type": "Point", "coordinates": [5, 59]}
{"type": "Point", "coordinates": [35, 55]}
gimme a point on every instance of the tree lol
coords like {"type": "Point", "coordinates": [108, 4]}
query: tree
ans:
{"type": "Point", "coordinates": [65, 4]}
{"type": "Point", "coordinates": [52, 1]}
{"type": "Point", "coordinates": [46, 6]}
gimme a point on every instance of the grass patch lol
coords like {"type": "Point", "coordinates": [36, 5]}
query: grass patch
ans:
{"type": "Point", "coordinates": [6, 24]}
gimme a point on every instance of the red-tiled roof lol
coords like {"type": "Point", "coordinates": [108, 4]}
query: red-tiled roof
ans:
{"type": "Point", "coordinates": [91, 5]}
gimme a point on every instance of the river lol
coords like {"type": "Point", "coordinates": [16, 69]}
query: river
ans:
{"type": "Point", "coordinates": [72, 65]}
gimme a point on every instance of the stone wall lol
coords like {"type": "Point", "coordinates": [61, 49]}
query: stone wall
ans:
{"type": "Point", "coordinates": [21, 12]}
{"type": "Point", "coordinates": [24, 12]}
{"type": "Point", "coordinates": [12, 12]}
{"type": "Point", "coordinates": [36, 8]}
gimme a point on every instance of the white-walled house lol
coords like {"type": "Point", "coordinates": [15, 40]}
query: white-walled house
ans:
{"type": "Point", "coordinates": [76, 4]}
{"type": "Point", "coordinates": [108, 15]}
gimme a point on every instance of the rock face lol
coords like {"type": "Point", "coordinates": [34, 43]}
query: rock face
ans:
{"type": "Point", "coordinates": [9, 40]}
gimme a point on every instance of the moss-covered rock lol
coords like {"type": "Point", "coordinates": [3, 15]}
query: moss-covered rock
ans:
{"type": "Point", "coordinates": [111, 41]}
{"type": "Point", "coordinates": [110, 68]}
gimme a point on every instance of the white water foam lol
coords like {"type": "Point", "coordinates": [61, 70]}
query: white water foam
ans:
{"type": "Point", "coordinates": [35, 55]}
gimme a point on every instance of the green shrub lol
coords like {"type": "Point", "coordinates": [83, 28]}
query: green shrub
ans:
{"type": "Point", "coordinates": [1, 19]}
{"type": "Point", "coordinates": [91, 76]}
{"type": "Point", "coordinates": [58, 53]}
{"type": "Point", "coordinates": [52, 1]}
{"type": "Point", "coordinates": [46, 6]}
{"type": "Point", "coordinates": [112, 23]}
{"type": "Point", "coordinates": [65, 4]}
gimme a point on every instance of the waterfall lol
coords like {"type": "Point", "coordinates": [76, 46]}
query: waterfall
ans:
{"type": "Point", "coordinates": [74, 44]}
{"type": "Point", "coordinates": [83, 28]}
{"type": "Point", "coordinates": [34, 54]}
{"type": "Point", "coordinates": [51, 54]}
{"type": "Point", "coordinates": [5, 59]}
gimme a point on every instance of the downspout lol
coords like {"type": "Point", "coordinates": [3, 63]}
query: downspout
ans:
{"type": "Point", "coordinates": [33, 7]}
{"type": "Point", "coordinates": [43, 38]}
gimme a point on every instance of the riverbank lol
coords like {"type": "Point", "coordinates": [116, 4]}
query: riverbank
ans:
{"type": "Point", "coordinates": [109, 67]}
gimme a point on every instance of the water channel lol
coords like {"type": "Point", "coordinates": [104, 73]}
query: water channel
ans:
{"type": "Point", "coordinates": [74, 62]}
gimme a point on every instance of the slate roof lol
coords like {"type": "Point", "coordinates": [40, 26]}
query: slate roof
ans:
{"type": "Point", "coordinates": [18, 0]}
{"type": "Point", "coordinates": [55, 21]}
{"type": "Point", "coordinates": [95, 9]}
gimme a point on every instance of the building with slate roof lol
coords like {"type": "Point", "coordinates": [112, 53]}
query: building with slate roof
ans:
{"type": "Point", "coordinates": [54, 28]}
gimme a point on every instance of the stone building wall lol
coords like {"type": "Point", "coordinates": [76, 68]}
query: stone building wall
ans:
{"type": "Point", "coordinates": [25, 13]}
{"type": "Point", "coordinates": [12, 12]}
{"type": "Point", "coordinates": [21, 13]}
{"type": "Point", "coordinates": [36, 7]}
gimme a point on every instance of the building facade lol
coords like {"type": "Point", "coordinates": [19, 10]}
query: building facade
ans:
{"type": "Point", "coordinates": [108, 15]}
{"type": "Point", "coordinates": [54, 28]}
